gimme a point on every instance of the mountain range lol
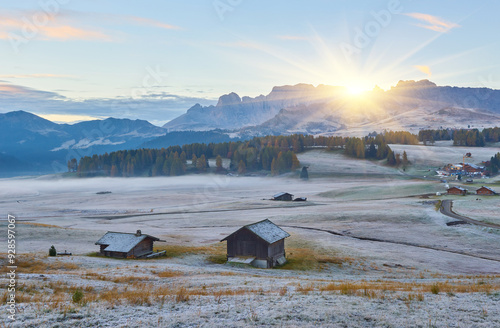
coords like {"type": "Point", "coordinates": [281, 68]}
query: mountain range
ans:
{"type": "Point", "coordinates": [306, 109]}
{"type": "Point", "coordinates": [33, 145]}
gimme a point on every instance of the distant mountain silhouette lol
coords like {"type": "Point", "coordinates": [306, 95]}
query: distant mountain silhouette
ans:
{"type": "Point", "coordinates": [233, 112]}
{"type": "Point", "coordinates": [43, 146]}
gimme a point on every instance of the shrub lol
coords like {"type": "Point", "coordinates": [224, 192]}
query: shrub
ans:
{"type": "Point", "coordinates": [77, 296]}
{"type": "Point", "coordinates": [182, 295]}
{"type": "Point", "coordinates": [437, 205]}
{"type": "Point", "coordinates": [52, 251]}
{"type": "Point", "coordinates": [435, 289]}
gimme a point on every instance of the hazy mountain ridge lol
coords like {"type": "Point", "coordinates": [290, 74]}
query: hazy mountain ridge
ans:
{"type": "Point", "coordinates": [39, 145]}
{"type": "Point", "coordinates": [408, 106]}
{"type": "Point", "coordinates": [303, 108]}
{"type": "Point", "coordinates": [233, 112]}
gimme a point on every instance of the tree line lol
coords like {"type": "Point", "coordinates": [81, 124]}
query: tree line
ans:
{"type": "Point", "coordinates": [461, 137]}
{"type": "Point", "coordinates": [276, 154]}
{"type": "Point", "coordinates": [375, 148]}
{"type": "Point", "coordinates": [173, 161]}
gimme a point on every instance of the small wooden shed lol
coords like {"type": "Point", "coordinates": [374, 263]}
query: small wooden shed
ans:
{"type": "Point", "coordinates": [261, 244]}
{"type": "Point", "coordinates": [284, 196]}
{"type": "Point", "coordinates": [485, 191]}
{"type": "Point", "coordinates": [126, 245]}
{"type": "Point", "coordinates": [457, 191]}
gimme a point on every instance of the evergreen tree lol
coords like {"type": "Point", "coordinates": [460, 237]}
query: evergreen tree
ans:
{"type": "Point", "coordinates": [201, 164]}
{"type": "Point", "coordinates": [398, 159]}
{"type": "Point", "coordinates": [242, 168]}
{"type": "Point", "coordinates": [405, 161]}
{"type": "Point", "coordinates": [274, 169]}
{"type": "Point", "coordinates": [52, 251]}
{"type": "Point", "coordinates": [391, 158]}
{"type": "Point", "coordinates": [295, 162]}
{"type": "Point", "coordinates": [114, 171]}
{"type": "Point", "coordinates": [372, 150]}
{"type": "Point", "coordinates": [304, 175]}
{"type": "Point", "coordinates": [218, 164]}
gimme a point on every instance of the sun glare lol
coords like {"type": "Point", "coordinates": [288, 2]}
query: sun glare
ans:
{"type": "Point", "coordinates": [355, 90]}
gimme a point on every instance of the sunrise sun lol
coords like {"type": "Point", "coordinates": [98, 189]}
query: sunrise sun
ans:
{"type": "Point", "coordinates": [355, 90]}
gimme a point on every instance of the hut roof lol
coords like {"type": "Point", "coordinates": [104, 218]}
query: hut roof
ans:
{"type": "Point", "coordinates": [281, 194]}
{"type": "Point", "coordinates": [122, 241]}
{"type": "Point", "coordinates": [474, 166]}
{"type": "Point", "coordinates": [459, 188]}
{"type": "Point", "coordinates": [266, 230]}
{"type": "Point", "coordinates": [488, 188]}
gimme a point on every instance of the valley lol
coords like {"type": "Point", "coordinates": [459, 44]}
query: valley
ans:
{"type": "Point", "coordinates": [369, 236]}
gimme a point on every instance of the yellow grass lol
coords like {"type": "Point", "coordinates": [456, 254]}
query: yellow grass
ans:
{"type": "Point", "coordinates": [311, 259]}
{"type": "Point", "coordinates": [33, 264]}
{"type": "Point", "coordinates": [169, 274]}
{"type": "Point", "coordinates": [216, 253]}
{"type": "Point", "coordinates": [35, 224]}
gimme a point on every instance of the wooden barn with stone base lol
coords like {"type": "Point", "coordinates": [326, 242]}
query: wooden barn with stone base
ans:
{"type": "Point", "coordinates": [260, 244]}
{"type": "Point", "coordinates": [126, 245]}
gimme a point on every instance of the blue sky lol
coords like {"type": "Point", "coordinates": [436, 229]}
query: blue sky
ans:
{"type": "Point", "coordinates": [155, 59]}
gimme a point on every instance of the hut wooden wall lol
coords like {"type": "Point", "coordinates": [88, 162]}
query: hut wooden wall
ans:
{"type": "Point", "coordinates": [276, 250]}
{"type": "Point", "coordinates": [145, 246]}
{"type": "Point", "coordinates": [245, 243]}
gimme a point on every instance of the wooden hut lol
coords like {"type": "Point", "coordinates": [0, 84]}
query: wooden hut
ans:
{"type": "Point", "coordinates": [284, 196]}
{"type": "Point", "coordinates": [485, 191]}
{"type": "Point", "coordinates": [457, 191]}
{"type": "Point", "coordinates": [261, 244]}
{"type": "Point", "coordinates": [126, 245]}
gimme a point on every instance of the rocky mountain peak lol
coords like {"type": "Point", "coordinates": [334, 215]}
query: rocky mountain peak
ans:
{"type": "Point", "coordinates": [411, 84]}
{"type": "Point", "coordinates": [229, 100]}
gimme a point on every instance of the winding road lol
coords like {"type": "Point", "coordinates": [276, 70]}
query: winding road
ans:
{"type": "Point", "coordinates": [446, 209]}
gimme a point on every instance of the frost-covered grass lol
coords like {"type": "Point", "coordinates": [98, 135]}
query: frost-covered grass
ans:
{"type": "Point", "coordinates": [165, 294]}
{"type": "Point", "coordinates": [482, 208]}
{"type": "Point", "coordinates": [443, 152]}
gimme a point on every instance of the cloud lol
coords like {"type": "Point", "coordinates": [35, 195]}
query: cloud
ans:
{"type": "Point", "coordinates": [67, 32]}
{"type": "Point", "coordinates": [29, 25]}
{"type": "Point", "coordinates": [67, 118]}
{"type": "Point", "coordinates": [69, 25]}
{"type": "Point", "coordinates": [152, 22]}
{"type": "Point", "coordinates": [424, 69]}
{"type": "Point", "coordinates": [433, 22]}
{"type": "Point", "coordinates": [157, 106]}
{"type": "Point", "coordinates": [291, 37]}
{"type": "Point", "coordinates": [24, 94]}
{"type": "Point", "coordinates": [34, 76]}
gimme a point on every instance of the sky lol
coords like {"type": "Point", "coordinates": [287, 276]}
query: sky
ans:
{"type": "Point", "coordinates": [72, 60]}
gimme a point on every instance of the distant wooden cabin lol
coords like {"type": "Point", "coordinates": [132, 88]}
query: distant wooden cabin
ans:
{"type": "Point", "coordinates": [284, 196]}
{"type": "Point", "coordinates": [260, 244]}
{"type": "Point", "coordinates": [126, 245]}
{"type": "Point", "coordinates": [471, 168]}
{"type": "Point", "coordinates": [485, 191]}
{"type": "Point", "coordinates": [457, 191]}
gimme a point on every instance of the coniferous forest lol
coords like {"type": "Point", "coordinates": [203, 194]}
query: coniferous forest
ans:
{"type": "Point", "coordinates": [276, 154]}
{"type": "Point", "coordinates": [461, 137]}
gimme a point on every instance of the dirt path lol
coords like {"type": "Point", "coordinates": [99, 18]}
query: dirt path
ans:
{"type": "Point", "coordinates": [446, 209]}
